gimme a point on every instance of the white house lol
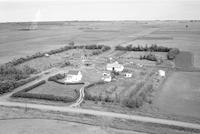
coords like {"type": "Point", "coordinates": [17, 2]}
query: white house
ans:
{"type": "Point", "coordinates": [73, 76]}
{"type": "Point", "coordinates": [115, 66]}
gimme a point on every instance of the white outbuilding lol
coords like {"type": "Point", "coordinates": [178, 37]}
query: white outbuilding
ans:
{"type": "Point", "coordinates": [115, 66]}
{"type": "Point", "coordinates": [161, 73]}
{"type": "Point", "coordinates": [46, 55]}
{"type": "Point", "coordinates": [73, 76]}
{"type": "Point", "coordinates": [128, 75]}
{"type": "Point", "coordinates": [107, 78]}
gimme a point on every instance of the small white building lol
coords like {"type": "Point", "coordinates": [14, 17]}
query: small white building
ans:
{"type": "Point", "coordinates": [139, 65]}
{"type": "Point", "coordinates": [107, 78]}
{"type": "Point", "coordinates": [106, 73]}
{"type": "Point", "coordinates": [161, 73]}
{"type": "Point", "coordinates": [46, 55]}
{"type": "Point", "coordinates": [128, 75]}
{"type": "Point", "coordinates": [73, 76]}
{"type": "Point", "coordinates": [115, 66]}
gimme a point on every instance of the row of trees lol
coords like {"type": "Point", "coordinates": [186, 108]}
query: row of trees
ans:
{"type": "Point", "coordinates": [152, 48]}
{"type": "Point", "coordinates": [138, 99]}
{"type": "Point", "coordinates": [172, 52]}
{"type": "Point", "coordinates": [12, 77]}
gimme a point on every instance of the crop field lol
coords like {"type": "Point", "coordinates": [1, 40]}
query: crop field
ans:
{"type": "Point", "coordinates": [52, 88]}
{"type": "Point", "coordinates": [184, 60]}
{"type": "Point", "coordinates": [180, 95]}
{"type": "Point", "coordinates": [17, 42]}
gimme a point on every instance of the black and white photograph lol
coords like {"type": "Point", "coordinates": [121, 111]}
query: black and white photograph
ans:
{"type": "Point", "coordinates": [99, 66]}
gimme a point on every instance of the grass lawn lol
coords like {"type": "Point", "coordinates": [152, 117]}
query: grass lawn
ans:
{"type": "Point", "coordinates": [53, 88]}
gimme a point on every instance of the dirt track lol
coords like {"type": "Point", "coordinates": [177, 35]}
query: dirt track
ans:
{"type": "Point", "coordinates": [158, 121]}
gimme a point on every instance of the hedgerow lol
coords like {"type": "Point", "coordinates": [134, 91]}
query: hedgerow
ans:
{"type": "Point", "coordinates": [152, 48]}
{"type": "Point", "coordinates": [171, 52]}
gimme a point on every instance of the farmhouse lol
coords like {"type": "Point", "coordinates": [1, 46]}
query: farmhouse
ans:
{"type": "Point", "coordinates": [115, 66]}
{"type": "Point", "coordinates": [73, 76]}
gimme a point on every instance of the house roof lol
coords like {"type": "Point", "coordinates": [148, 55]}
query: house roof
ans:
{"type": "Point", "coordinates": [115, 64]}
{"type": "Point", "coordinates": [73, 72]}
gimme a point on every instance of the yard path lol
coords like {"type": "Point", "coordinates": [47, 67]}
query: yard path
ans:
{"type": "Point", "coordinates": [81, 97]}
{"type": "Point", "coordinates": [144, 119]}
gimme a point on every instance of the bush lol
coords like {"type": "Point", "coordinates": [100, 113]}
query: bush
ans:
{"type": "Point", "coordinates": [56, 77]}
{"type": "Point", "coordinates": [71, 43]}
{"type": "Point", "coordinates": [172, 53]}
{"type": "Point", "coordinates": [151, 57]}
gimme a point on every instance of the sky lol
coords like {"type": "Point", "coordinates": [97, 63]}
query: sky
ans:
{"type": "Point", "coordinates": [66, 10]}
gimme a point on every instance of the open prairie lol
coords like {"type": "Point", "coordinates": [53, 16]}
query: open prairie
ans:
{"type": "Point", "coordinates": [16, 40]}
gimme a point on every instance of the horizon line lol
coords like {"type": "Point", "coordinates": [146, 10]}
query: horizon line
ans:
{"type": "Point", "coordinates": [100, 20]}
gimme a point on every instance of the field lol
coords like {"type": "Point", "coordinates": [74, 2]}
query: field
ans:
{"type": "Point", "coordinates": [146, 92]}
{"type": "Point", "coordinates": [56, 89]}
{"type": "Point", "coordinates": [180, 95]}
{"type": "Point", "coordinates": [45, 126]}
{"type": "Point", "coordinates": [16, 42]}
{"type": "Point", "coordinates": [184, 60]}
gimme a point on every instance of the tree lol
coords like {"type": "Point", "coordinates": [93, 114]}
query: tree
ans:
{"type": "Point", "coordinates": [71, 43]}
